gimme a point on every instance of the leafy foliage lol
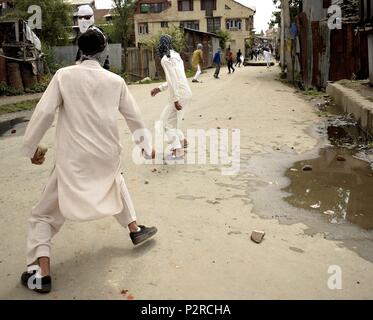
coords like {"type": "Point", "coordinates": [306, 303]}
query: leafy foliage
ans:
{"type": "Point", "coordinates": [225, 36]}
{"type": "Point", "coordinates": [295, 9]}
{"type": "Point", "coordinates": [122, 22]}
{"type": "Point", "coordinates": [178, 38]}
{"type": "Point", "coordinates": [56, 19]}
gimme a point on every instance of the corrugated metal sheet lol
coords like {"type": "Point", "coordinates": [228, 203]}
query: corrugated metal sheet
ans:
{"type": "Point", "coordinates": [331, 55]}
{"type": "Point", "coordinates": [302, 23]}
{"type": "Point", "coordinates": [348, 54]}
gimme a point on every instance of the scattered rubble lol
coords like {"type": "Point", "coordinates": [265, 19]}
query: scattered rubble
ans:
{"type": "Point", "coordinates": [257, 236]}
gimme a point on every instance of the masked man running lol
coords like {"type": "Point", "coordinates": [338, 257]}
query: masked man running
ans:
{"type": "Point", "coordinates": [86, 20]}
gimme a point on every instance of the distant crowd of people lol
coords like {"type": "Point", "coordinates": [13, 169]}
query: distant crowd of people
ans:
{"type": "Point", "coordinates": [262, 52]}
{"type": "Point", "coordinates": [233, 61]}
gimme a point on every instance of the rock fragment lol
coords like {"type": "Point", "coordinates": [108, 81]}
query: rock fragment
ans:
{"type": "Point", "coordinates": [257, 236]}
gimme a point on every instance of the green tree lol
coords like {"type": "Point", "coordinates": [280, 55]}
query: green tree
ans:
{"type": "Point", "coordinates": [225, 36]}
{"type": "Point", "coordinates": [178, 38]}
{"type": "Point", "coordinates": [122, 22]}
{"type": "Point", "coordinates": [56, 19]}
{"type": "Point", "coordinates": [295, 9]}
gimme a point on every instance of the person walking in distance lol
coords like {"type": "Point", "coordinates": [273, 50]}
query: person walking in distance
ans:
{"type": "Point", "coordinates": [238, 58]}
{"type": "Point", "coordinates": [197, 62]}
{"type": "Point", "coordinates": [267, 56]}
{"type": "Point", "coordinates": [230, 60]}
{"type": "Point", "coordinates": [217, 63]}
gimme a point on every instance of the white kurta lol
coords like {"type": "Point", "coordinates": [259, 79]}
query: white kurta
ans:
{"type": "Point", "coordinates": [180, 91]}
{"type": "Point", "coordinates": [88, 148]}
{"type": "Point", "coordinates": [176, 78]}
{"type": "Point", "coordinates": [267, 56]}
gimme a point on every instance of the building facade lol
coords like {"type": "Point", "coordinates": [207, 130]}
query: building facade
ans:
{"type": "Point", "coordinates": [210, 16]}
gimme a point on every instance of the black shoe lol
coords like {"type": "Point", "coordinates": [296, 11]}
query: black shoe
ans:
{"type": "Point", "coordinates": [44, 286]}
{"type": "Point", "coordinates": [144, 234]}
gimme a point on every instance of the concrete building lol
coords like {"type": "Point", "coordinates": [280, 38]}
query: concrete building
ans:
{"type": "Point", "coordinates": [201, 15]}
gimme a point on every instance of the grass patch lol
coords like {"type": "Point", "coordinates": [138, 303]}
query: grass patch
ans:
{"type": "Point", "coordinates": [190, 73]}
{"type": "Point", "coordinates": [313, 93]}
{"type": "Point", "coordinates": [20, 106]}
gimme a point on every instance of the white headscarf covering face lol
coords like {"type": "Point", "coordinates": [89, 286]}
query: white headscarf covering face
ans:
{"type": "Point", "coordinates": [84, 12]}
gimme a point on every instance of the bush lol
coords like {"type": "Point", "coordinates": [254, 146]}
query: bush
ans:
{"type": "Point", "coordinates": [50, 59]}
{"type": "Point", "coordinates": [225, 36]}
{"type": "Point", "coordinates": [41, 86]}
{"type": "Point", "coordinates": [6, 90]}
{"type": "Point", "coordinates": [178, 39]}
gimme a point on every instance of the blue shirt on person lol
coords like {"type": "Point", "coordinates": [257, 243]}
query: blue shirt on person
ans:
{"type": "Point", "coordinates": [217, 58]}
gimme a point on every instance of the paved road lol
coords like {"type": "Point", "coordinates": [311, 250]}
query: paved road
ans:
{"type": "Point", "coordinates": [203, 249]}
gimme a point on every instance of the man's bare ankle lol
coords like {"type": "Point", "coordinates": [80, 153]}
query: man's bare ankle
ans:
{"type": "Point", "coordinates": [44, 264]}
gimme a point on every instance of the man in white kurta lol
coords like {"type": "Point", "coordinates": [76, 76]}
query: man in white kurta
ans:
{"type": "Point", "coordinates": [180, 95]}
{"type": "Point", "coordinates": [267, 57]}
{"type": "Point", "coordinates": [86, 182]}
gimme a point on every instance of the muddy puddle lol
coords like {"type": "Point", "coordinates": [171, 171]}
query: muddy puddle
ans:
{"type": "Point", "coordinates": [15, 126]}
{"type": "Point", "coordinates": [340, 185]}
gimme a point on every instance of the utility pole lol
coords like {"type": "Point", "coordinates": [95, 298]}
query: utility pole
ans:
{"type": "Point", "coordinates": [282, 44]}
{"type": "Point", "coordinates": [285, 24]}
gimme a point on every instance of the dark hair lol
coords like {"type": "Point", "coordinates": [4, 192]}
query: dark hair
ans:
{"type": "Point", "coordinates": [92, 41]}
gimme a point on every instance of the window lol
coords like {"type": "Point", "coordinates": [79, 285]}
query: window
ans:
{"type": "Point", "coordinates": [143, 28]}
{"type": "Point", "coordinates": [164, 24]}
{"type": "Point", "coordinates": [213, 25]}
{"type": "Point", "coordinates": [190, 25]}
{"type": "Point", "coordinates": [153, 7]}
{"type": "Point", "coordinates": [234, 24]}
{"type": "Point", "coordinates": [208, 4]}
{"type": "Point", "coordinates": [185, 5]}
{"type": "Point", "coordinates": [145, 8]}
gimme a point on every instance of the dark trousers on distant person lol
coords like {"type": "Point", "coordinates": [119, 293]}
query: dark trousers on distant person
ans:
{"type": "Point", "coordinates": [230, 66]}
{"type": "Point", "coordinates": [217, 70]}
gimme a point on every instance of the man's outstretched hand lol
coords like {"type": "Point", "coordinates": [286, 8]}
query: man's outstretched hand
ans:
{"type": "Point", "coordinates": [155, 91]}
{"type": "Point", "coordinates": [39, 156]}
{"type": "Point", "coordinates": [148, 157]}
{"type": "Point", "coordinates": [178, 106]}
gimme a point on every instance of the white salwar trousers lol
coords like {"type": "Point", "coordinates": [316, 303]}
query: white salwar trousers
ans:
{"type": "Point", "coordinates": [46, 219]}
{"type": "Point", "coordinates": [267, 57]}
{"type": "Point", "coordinates": [171, 120]}
{"type": "Point", "coordinates": [198, 73]}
